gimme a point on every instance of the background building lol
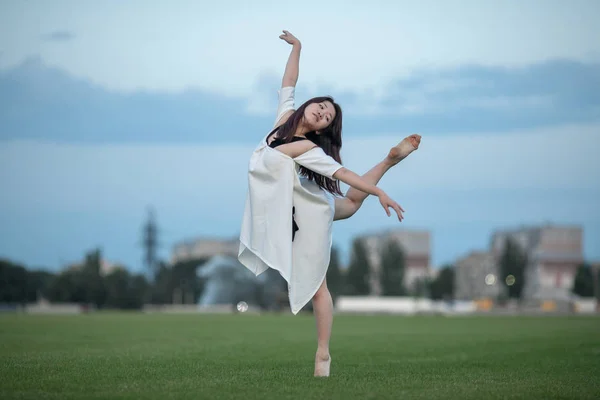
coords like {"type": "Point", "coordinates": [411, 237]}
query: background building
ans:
{"type": "Point", "coordinates": [205, 248]}
{"type": "Point", "coordinates": [416, 246]}
{"type": "Point", "coordinates": [554, 253]}
{"type": "Point", "coordinates": [476, 277]}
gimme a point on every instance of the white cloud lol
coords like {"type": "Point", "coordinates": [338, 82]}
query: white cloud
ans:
{"type": "Point", "coordinates": [224, 46]}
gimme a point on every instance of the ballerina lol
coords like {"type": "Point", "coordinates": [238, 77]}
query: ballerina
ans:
{"type": "Point", "coordinates": [294, 196]}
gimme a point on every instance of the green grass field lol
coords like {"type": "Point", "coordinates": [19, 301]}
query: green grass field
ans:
{"type": "Point", "coordinates": [157, 356]}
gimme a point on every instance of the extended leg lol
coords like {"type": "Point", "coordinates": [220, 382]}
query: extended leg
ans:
{"type": "Point", "coordinates": [345, 207]}
{"type": "Point", "coordinates": [323, 310]}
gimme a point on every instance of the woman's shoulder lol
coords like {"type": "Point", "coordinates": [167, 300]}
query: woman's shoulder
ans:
{"type": "Point", "coordinates": [318, 161]}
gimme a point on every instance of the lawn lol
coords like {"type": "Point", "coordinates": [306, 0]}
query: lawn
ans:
{"type": "Point", "coordinates": [159, 356]}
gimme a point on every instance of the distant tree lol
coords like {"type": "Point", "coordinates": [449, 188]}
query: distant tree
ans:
{"type": "Point", "coordinates": [513, 262]}
{"type": "Point", "coordinates": [38, 283]}
{"type": "Point", "coordinates": [392, 269]}
{"type": "Point", "coordinates": [19, 285]}
{"type": "Point", "coordinates": [583, 284]}
{"type": "Point", "coordinates": [161, 290]}
{"type": "Point", "coordinates": [335, 278]}
{"type": "Point", "coordinates": [177, 281]}
{"type": "Point", "coordinates": [357, 278]}
{"type": "Point", "coordinates": [13, 283]}
{"type": "Point", "coordinates": [421, 287]}
{"type": "Point", "coordinates": [117, 288]}
{"type": "Point", "coordinates": [185, 278]}
{"type": "Point", "coordinates": [82, 284]}
{"type": "Point", "coordinates": [124, 290]}
{"type": "Point", "coordinates": [92, 279]}
{"type": "Point", "coordinates": [139, 285]}
{"type": "Point", "coordinates": [67, 287]}
{"type": "Point", "coordinates": [596, 276]}
{"type": "Point", "coordinates": [442, 287]}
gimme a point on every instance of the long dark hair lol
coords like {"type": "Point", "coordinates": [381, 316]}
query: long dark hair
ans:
{"type": "Point", "coordinates": [330, 140]}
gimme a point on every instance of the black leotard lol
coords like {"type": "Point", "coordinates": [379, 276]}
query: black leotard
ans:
{"type": "Point", "coordinates": [278, 142]}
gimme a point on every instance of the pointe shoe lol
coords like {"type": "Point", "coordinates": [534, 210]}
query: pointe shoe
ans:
{"type": "Point", "coordinates": [404, 148]}
{"type": "Point", "coordinates": [322, 366]}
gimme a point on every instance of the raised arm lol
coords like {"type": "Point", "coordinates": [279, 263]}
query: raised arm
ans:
{"type": "Point", "coordinates": [290, 76]}
{"type": "Point", "coordinates": [288, 84]}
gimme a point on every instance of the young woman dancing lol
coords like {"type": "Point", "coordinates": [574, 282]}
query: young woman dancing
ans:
{"type": "Point", "coordinates": [294, 196]}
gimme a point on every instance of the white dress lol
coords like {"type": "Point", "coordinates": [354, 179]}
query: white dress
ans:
{"type": "Point", "coordinates": [274, 187]}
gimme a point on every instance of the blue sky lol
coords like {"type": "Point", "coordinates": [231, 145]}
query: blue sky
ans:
{"type": "Point", "coordinates": [106, 108]}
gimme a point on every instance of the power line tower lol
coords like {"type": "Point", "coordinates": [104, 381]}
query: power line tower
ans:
{"type": "Point", "coordinates": [150, 240]}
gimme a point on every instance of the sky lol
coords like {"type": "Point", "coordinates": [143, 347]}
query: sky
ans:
{"type": "Point", "coordinates": [109, 108]}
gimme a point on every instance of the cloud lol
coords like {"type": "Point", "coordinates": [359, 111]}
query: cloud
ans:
{"type": "Point", "coordinates": [38, 102]}
{"type": "Point", "coordinates": [58, 36]}
{"type": "Point", "coordinates": [172, 46]}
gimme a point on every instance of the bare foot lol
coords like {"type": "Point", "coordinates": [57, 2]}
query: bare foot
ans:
{"type": "Point", "coordinates": [322, 365]}
{"type": "Point", "coordinates": [403, 149]}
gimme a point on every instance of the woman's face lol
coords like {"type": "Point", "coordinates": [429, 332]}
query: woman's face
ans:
{"type": "Point", "coordinates": [318, 116]}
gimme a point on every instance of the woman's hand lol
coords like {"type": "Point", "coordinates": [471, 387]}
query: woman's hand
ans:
{"type": "Point", "coordinates": [291, 39]}
{"type": "Point", "coordinates": [387, 202]}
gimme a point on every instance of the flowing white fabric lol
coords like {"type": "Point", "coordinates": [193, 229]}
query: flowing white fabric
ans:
{"type": "Point", "coordinates": [274, 187]}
